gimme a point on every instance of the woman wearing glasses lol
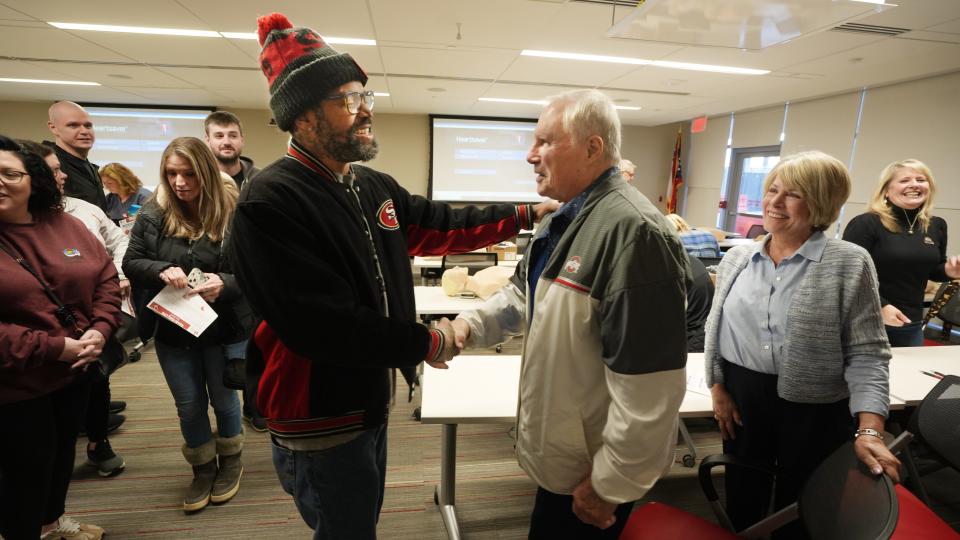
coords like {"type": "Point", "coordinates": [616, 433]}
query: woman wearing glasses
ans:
{"type": "Point", "coordinates": [45, 350]}
{"type": "Point", "coordinates": [185, 227]}
{"type": "Point", "coordinates": [908, 245]}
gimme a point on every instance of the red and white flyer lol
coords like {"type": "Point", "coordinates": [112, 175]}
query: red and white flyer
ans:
{"type": "Point", "coordinates": [191, 313]}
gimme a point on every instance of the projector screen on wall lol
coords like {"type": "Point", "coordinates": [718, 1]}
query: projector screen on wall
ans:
{"type": "Point", "coordinates": [481, 160]}
{"type": "Point", "coordinates": [136, 136]}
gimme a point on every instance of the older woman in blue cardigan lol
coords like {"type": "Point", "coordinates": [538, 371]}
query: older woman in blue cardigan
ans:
{"type": "Point", "coordinates": [797, 356]}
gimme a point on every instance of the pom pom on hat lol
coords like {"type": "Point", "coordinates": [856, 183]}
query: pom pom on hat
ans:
{"type": "Point", "coordinates": [273, 21]}
{"type": "Point", "coordinates": [300, 67]}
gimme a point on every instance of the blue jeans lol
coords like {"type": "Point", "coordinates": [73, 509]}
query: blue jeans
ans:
{"type": "Point", "coordinates": [338, 491]}
{"type": "Point", "coordinates": [195, 377]}
{"type": "Point", "coordinates": [908, 335]}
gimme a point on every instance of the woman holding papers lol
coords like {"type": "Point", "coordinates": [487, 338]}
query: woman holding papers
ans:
{"type": "Point", "coordinates": [796, 355]}
{"type": "Point", "coordinates": [59, 302]}
{"type": "Point", "coordinates": [182, 229]}
{"type": "Point", "coordinates": [908, 245]}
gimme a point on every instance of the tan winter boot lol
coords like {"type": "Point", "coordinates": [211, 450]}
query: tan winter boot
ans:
{"type": "Point", "coordinates": [231, 468]}
{"type": "Point", "coordinates": [204, 462]}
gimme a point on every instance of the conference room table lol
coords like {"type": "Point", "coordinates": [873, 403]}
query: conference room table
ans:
{"type": "Point", "coordinates": [908, 382]}
{"type": "Point", "coordinates": [433, 301]}
{"type": "Point", "coordinates": [733, 242]}
{"type": "Point", "coordinates": [485, 390]}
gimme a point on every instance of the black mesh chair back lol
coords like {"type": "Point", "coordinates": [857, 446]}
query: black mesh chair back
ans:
{"type": "Point", "coordinates": [936, 422]}
{"type": "Point", "coordinates": [841, 500]}
{"type": "Point", "coordinates": [473, 262]}
{"type": "Point", "coordinates": [710, 261]}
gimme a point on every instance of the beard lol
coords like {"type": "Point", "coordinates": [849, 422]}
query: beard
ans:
{"type": "Point", "coordinates": [344, 146]}
{"type": "Point", "coordinates": [227, 160]}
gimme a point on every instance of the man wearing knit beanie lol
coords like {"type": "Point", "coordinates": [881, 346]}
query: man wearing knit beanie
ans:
{"type": "Point", "coordinates": [320, 247]}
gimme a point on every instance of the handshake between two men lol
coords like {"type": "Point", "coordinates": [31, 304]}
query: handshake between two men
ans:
{"type": "Point", "coordinates": [455, 335]}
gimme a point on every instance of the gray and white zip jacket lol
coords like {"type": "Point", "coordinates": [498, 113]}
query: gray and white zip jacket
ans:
{"type": "Point", "coordinates": [604, 351]}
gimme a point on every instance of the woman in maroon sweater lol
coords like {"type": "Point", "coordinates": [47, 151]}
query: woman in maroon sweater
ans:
{"type": "Point", "coordinates": [44, 357]}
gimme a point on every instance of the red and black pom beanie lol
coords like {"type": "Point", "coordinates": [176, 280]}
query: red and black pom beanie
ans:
{"type": "Point", "coordinates": [300, 67]}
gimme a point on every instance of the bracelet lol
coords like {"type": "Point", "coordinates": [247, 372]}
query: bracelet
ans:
{"type": "Point", "coordinates": [868, 431]}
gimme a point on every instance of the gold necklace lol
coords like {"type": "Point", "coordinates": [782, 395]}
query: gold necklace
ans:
{"type": "Point", "coordinates": [910, 223]}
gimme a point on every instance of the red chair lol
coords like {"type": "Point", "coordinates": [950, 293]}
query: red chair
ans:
{"type": "Point", "coordinates": [840, 500]}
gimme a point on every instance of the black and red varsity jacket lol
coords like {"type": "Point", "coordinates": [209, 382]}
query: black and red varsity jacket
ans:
{"type": "Point", "coordinates": [325, 264]}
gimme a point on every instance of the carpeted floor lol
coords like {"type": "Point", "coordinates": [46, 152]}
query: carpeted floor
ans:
{"type": "Point", "coordinates": [494, 496]}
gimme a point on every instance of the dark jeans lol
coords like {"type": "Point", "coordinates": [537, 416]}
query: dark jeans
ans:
{"type": "Point", "coordinates": [792, 438]}
{"type": "Point", "coordinates": [553, 518]}
{"type": "Point", "coordinates": [338, 491]}
{"type": "Point", "coordinates": [36, 459]}
{"type": "Point", "coordinates": [908, 335]}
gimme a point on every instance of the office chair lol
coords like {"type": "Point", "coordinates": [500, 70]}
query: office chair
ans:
{"type": "Point", "coordinates": [755, 231]}
{"type": "Point", "coordinates": [473, 262]}
{"type": "Point", "coordinates": [936, 424]}
{"type": "Point", "coordinates": [840, 500]}
{"type": "Point", "coordinates": [710, 261]}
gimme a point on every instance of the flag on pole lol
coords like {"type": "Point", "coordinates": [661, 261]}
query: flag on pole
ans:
{"type": "Point", "coordinates": [676, 177]}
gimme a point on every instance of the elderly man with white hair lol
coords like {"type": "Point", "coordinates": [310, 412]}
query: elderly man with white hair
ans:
{"type": "Point", "coordinates": [603, 373]}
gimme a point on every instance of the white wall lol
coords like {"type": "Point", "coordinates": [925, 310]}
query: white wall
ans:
{"type": "Point", "coordinates": [914, 119]}
{"type": "Point", "coordinates": [404, 144]}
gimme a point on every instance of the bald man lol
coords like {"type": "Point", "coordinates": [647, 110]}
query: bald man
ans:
{"type": "Point", "coordinates": [73, 129]}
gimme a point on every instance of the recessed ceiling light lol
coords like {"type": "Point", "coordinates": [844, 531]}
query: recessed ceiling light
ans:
{"type": "Point", "coordinates": [542, 102]}
{"type": "Point", "coordinates": [381, 94]}
{"type": "Point", "coordinates": [135, 29]}
{"type": "Point", "coordinates": [643, 62]}
{"type": "Point", "coordinates": [328, 39]}
{"type": "Point", "coordinates": [189, 32]}
{"type": "Point", "coordinates": [518, 101]}
{"type": "Point", "coordinates": [46, 81]}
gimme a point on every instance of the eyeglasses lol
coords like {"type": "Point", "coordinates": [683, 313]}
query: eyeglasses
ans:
{"type": "Point", "coordinates": [12, 176]}
{"type": "Point", "coordinates": [352, 100]}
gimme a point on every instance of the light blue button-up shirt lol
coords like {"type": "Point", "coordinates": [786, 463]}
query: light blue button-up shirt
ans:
{"type": "Point", "coordinates": [754, 318]}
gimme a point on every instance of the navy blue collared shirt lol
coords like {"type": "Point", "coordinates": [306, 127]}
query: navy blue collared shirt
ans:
{"type": "Point", "coordinates": [545, 242]}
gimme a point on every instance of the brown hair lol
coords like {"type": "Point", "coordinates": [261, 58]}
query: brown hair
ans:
{"type": "Point", "coordinates": [126, 180]}
{"type": "Point", "coordinates": [217, 202]}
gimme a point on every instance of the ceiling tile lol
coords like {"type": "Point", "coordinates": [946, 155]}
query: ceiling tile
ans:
{"type": "Point", "coordinates": [443, 62]}
{"type": "Point", "coordinates": [116, 76]}
{"type": "Point", "coordinates": [49, 42]}
{"type": "Point", "coordinates": [573, 72]}
{"type": "Point", "coordinates": [341, 20]}
{"type": "Point", "coordinates": [156, 13]}
{"type": "Point", "coordinates": [175, 50]}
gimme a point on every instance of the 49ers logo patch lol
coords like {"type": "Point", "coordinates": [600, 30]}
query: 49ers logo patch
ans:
{"type": "Point", "coordinates": [387, 216]}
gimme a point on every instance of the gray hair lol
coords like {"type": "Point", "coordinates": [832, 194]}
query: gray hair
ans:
{"type": "Point", "coordinates": [587, 113]}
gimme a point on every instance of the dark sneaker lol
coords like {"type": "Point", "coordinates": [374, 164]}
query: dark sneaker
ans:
{"type": "Point", "coordinates": [115, 421]}
{"type": "Point", "coordinates": [118, 406]}
{"type": "Point", "coordinates": [257, 422]}
{"type": "Point", "coordinates": [105, 460]}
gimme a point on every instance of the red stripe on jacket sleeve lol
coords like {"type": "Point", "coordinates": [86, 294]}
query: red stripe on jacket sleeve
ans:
{"type": "Point", "coordinates": [284, 390]}
{"type": "Point", "coordinates": [422, 241]}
